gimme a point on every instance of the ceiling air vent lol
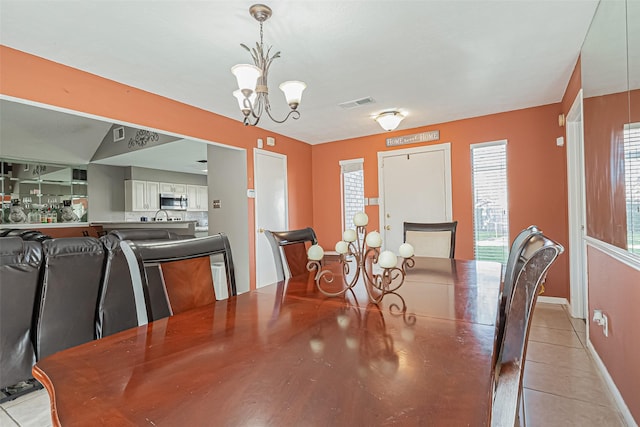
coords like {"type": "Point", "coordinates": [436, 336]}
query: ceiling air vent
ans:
{"type": "Point", "coordinates": [357, 103]}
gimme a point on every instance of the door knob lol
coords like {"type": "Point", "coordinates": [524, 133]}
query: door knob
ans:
{"type": "Point", "coordinates": [387, 227]}
{"type": "Point", "coordinates": [260, 230]}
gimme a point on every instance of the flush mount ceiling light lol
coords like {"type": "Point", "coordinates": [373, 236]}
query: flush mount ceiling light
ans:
{"type": "Point", "coordinates": [389, 120]}
{"type": "Point", "coordinates": [253, 92]}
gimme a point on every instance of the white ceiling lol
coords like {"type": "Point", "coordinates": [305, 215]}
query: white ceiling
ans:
{"type": "Point", "coordinates": [438, 60]}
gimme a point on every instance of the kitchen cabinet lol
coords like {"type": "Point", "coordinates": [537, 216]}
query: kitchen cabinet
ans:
{"type": "Point", "coordinates": [167, 187]}
{"type": "Point", "coordinates": [197, 197]}
{"type": "Point", "coordinates": [141, 195]}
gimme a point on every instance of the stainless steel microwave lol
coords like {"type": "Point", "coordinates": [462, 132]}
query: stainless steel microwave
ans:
{"type": "Point", "coordinates": [173, 202]}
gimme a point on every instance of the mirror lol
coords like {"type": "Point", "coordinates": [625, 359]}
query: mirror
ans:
{"type": "Point", "coordinates": [36, 192]}
{"type": "Point", "coordinates": [612, 172]}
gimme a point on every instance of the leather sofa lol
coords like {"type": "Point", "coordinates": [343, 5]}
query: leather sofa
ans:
{"type": "Point", "coordinates": [20, 263]}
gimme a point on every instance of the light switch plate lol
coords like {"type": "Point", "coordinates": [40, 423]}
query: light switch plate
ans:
{"type": "Point", "coordinates": [271, 141]}
{"type": "Point", "coordinates": [260, 143]}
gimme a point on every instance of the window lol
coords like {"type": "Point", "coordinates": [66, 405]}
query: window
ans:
{"type": "Point", "coordinates": [491, 211]}
{"type": "Point", "coordinates": [352, 184]}
{"type": "Point", "coordinates": [632, 185]}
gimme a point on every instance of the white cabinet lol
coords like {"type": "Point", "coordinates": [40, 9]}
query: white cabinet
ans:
{"type": "Point", "coordinates": [197, 197]}
{"type": "Point", "coordinates": [167, 187]}
{"type": "Point", "coordinates": [141, 195]}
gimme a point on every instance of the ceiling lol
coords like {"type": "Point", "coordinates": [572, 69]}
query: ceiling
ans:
{"type": "Point", "coordinates": [437, 60]}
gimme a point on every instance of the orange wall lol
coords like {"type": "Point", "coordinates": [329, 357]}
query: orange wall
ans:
{"type": "Point", "coordinates": [536, 170]}
{"type": "Point", "coordinates": [614, 288]}
{"type": "Point", "coordinates": [35, 79]}
{"type": "Point", "coordinates": [612, 285]}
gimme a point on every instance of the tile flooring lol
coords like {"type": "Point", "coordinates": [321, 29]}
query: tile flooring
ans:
{"type": "Point", "coordinates": [562, 384]}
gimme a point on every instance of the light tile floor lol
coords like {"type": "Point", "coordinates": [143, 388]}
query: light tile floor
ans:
{"type": "Point", "coordinates": [562, 384]}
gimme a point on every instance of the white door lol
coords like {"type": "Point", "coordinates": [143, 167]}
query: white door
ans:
{"type": "Point", "coordinates": [577, 209]}
{"type": "Point", "coordinates": [271, 208]}
{"type": "Point", "coordinates": [415, 186]}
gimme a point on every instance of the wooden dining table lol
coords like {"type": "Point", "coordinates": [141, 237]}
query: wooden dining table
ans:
{"type": "Point", "coordinates": [287, 355]}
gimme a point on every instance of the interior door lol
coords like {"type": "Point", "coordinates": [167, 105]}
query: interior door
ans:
{"type": "Point", "coordinates": [415, 186]}
{"type": "Point", "coordinates": [271, 208]}
{"type": "Point", "coordinates": [577, 210]}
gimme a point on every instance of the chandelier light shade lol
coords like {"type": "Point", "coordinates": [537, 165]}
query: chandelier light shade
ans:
{"type": "Point", "coordinates": [253, 91]}
{"type": "Point", "coordinates": [247, 76]}
{"type": "Point", "coordinates": [389, 120]}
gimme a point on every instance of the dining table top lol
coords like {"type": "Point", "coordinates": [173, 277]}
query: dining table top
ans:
{"type": "Point", "coordinates": [286, 354]}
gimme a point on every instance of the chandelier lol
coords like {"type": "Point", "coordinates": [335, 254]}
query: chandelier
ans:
{"type": "Point", "coordinates": [253, 92]}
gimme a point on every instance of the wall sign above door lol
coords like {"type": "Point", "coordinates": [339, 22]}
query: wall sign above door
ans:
{"type": "Point", "coordinates": [433, 135]}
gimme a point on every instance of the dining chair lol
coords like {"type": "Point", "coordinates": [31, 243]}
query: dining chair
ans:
{"type": "Point", "coordinates": [117, 309]}
{"type": "Point", "coordinates": [514, 263]}
{"type": "Point", "coordinates": [537, 255]}
{"type": "Point", "coordinates": [289, 250]}
{"type": "Point", "coordinates": [175, 276]}
{"type": "Point", "coordinates": [20, 264]}
{"type": "Point", "coordinates": [431, 239]}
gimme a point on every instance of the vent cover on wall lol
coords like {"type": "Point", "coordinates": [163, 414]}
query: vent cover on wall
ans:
{"type": "Point", "coordinates": [118, 134]}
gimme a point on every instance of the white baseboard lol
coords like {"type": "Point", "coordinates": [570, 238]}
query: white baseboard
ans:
{"type": "Point", "coordinates": [553, 300]}
{"type": "Point", "coordinates": [617, 397]}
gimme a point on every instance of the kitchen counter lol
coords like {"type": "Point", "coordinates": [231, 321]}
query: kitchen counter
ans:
{"type": "Point", "coordinates": [185, 228]}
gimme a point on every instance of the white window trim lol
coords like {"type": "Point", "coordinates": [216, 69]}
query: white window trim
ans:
{"type": "Point", "coordinates": [344, 165]}
{"type": "Point", "coordinates": [485, 145]}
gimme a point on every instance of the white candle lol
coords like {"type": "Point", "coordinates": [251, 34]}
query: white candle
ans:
{"type": "Point", "coordinates": [374, 239]}
{"type": "Point", "coordinates": [387, 259]}
{"type": "Point", "coordinates": [349, 235]}
{"type": "Point", "coordinates": [360, 219]}
{"type": "Point", "coordinates": [405, 250]}
{"type": "Point", "coordinates": [315, 253]}
{"type": "Point", "coordinates": [342, 247]}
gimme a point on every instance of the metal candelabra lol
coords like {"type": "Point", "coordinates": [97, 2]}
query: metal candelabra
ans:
{"type": "Point", "coordinates": [364, 253]}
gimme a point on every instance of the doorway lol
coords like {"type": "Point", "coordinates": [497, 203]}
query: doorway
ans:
{"type": "Point", "coordinates": [577, 210]}
{"type": "Point", "coordinates": [414, 186]}
{"type": "Point", "coordinates": [271, 209]}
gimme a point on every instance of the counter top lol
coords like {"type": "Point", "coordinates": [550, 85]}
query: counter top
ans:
{"type": "Point", "coordinates": [185, 227]}
{"type": "Point", "coordinates": [184, 221]}
{"type": "Point", "coordinates": [35, 225]}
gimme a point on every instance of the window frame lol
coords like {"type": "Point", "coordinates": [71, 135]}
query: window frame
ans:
{"type": "Point", "coordinates": [350, 165]}
{"type": "Point", "coordinates": [472, 148]}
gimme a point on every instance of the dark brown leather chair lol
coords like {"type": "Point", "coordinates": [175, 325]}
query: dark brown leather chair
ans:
{"type": "Point", "coordinates": [20, 264]}
{"type": "Point", "coordinates": [431, 239]}
{"type": "Point", "coordinates": [117, 308]}
{"type": "Point", "coordinates": [289, 250]}
{"type": "Point", "coordinates": [176, 275]}
{"type": "Point", "coordinates": [537, 255]}
{"type": "Point", "coordinates": [69, 294]}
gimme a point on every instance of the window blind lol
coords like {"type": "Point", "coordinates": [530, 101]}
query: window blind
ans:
{"type": "Point", "coordinates": [491, 217]}
{"type": "Point", "coordinates": [632, 184]}
{"type": "Point", "coordinates": [352, 188]}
